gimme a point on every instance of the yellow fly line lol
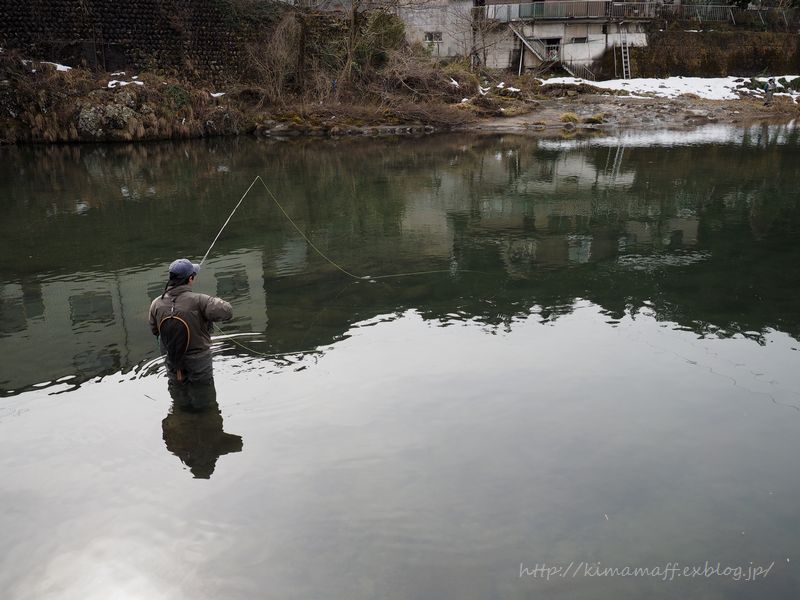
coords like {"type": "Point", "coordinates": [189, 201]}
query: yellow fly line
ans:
{"type": "Point", "coordinates": [316, 249]}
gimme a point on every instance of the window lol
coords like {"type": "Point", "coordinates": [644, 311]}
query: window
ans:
{"type": "Point", "coordinates": [433, 37]}
{"type": "Point", "coordinates": [580, 40]}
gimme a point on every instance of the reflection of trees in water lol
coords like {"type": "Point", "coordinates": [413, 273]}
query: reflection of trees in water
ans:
{"type": "Point", "coordinates": [541, 227]}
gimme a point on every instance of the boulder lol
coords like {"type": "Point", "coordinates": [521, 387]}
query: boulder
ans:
{"type": "Point", "coordinates": [108, 116]}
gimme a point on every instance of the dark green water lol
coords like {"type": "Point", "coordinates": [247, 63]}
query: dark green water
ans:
{"type": "Point", "coordinates": [603, 368]}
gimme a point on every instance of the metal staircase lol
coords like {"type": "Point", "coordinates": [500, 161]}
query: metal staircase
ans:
{"type": "Point", "coordinates": [550, 58]}
{"type": "Point", "coordinates": [578, 70]}
{"type": "Point", "coordinates": [535, 45]}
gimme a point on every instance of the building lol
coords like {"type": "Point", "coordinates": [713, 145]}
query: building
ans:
{"type": "Point", "coordinates": [533, 35]}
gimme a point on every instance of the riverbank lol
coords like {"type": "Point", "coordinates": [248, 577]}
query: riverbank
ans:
{"type": "Point", "coordinates": [43, 102]}
{"type": "Point", "coordinates": [592, 111]}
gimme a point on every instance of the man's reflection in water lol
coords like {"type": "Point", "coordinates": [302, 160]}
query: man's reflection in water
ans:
{"type": "Point", "coordinates": [193, 428]}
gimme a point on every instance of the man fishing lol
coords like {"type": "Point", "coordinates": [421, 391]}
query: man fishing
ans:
{"type": "Point", "coordinates": [182, 320]}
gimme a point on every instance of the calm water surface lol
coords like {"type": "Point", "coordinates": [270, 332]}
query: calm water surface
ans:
{"type": "Point", "coordinates": [602, 368]}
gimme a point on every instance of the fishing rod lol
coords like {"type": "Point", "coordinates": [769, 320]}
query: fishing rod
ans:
{"type": "Point", "coordinates": [316, 249]}
{"type": "Point", "coordinates": [310, 243]}
{"type": "Point", "coordinates": [285, 214]}
{"type": "Point", "coordinates": [225, 224]}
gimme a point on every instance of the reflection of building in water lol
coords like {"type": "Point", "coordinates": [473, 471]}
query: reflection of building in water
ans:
{"type": "Point", "coordinates": [547, 208]}
{"type": "Point", "coordinates": [672, 232]}
{"type": "Point", "coordinates": [89, 323]}
{"type": "Point", "coordinates": [293, 257]}
{"type": "Point", "coordinates": [511, 193]}
{"type": "Point", "coordinates": [512, 204]}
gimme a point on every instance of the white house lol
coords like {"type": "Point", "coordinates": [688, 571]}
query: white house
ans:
{"type": "Point", "coordinates": [571, 33]}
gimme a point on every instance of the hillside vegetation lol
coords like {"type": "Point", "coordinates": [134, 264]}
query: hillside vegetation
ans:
{"type": "Point", "coordinates": [289, 71]}
{"type": "Point", "coordinates": [301, 72]}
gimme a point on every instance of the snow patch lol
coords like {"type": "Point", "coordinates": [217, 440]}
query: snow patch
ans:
{"type": "Point", "coordinates": [58, 67]}
{"type": "Point", "coordinates": [118, 83]}
{"type": "Point", "coordinates": [710, 88]}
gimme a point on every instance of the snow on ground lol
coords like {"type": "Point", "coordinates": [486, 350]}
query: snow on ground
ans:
{"type": "Point", "coordinates": [57, 66]}
{"type": "Point", "coordinates": [29, 63]}
{"type": "Point", "coordinates": [119, 83]}
{"type": "Point", "coordinates": [710, 88]}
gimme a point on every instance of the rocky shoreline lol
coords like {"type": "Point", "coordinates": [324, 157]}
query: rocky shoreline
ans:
{"type": "Point", "coordinates": [48, 104]}
{"type": "Point", "coordinates": [626, 112]}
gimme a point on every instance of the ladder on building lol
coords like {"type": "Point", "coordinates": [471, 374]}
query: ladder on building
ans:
{"type": "Point", "coordinates": [626, 56]}
{"type": "Point", "coordinates": [617, 161]}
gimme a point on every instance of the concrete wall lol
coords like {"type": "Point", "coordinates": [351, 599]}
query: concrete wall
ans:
{"type": "Point", "coordinates": [499, 49]}
{"type": "Point", "coordinates": [599, 36]}
{"type": "Point", "coordinates": [453, 19]}
{"type": "Point", "coordinates": [194, 35]}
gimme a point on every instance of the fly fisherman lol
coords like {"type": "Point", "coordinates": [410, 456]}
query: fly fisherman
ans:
{"type": "Point", "coordinates": [182, 320]}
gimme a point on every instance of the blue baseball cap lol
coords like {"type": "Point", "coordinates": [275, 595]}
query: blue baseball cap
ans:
{"type": "Point", "coordinates": [184, 268]}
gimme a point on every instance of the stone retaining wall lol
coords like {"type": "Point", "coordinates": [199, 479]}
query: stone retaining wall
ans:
{"type": "Point", "coordinates": [201, 37]}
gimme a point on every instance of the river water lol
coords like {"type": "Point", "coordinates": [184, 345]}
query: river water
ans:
{"type": "Point", "coordinates": [600, 366]}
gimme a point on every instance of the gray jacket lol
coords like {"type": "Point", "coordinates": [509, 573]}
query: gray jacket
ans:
{"type": "Point", "coordinates": [199, 311]}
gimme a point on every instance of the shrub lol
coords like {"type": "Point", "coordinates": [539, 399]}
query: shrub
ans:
{"type": "Point", "coordinates": [178, 96]}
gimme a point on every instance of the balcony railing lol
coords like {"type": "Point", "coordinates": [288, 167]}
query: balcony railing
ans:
{"type": "Point", "coordinates": [698, 12]}
{"type": "Point", "coordinates": [602, 9]}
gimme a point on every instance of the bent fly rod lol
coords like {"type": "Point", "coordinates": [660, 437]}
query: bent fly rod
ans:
{"type": "Point", "coordinates": [310, 243]}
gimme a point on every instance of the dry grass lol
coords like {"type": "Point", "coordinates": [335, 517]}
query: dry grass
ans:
{"type": "Point", "coordinates": [292, 74]}
{"type": "Point", "coordinates": [569, 117]}
{"type": "Point", "coordinates": [273, 62]}
{"type": "Point", "coordinates": [412, 74]}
